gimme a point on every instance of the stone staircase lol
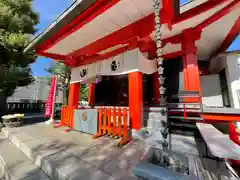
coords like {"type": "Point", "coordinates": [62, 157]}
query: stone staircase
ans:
{"type": "Point", "coordinates": [40, 152]}
{"type": "Point", "coordinates": [184, 115]}
{"type": "Point", "coordinates": [181, 117]}
{"type": "Point", "coordinates": [155, 117]}
{"type": "Point", "coordinates": [15, 165]}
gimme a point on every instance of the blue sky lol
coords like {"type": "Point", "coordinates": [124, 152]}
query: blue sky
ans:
{"type": "Point", "coordinates": [49, 10]}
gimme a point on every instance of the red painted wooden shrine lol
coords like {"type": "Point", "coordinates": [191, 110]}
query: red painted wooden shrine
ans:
{"type": "Point", "coordinates": [93, 32]}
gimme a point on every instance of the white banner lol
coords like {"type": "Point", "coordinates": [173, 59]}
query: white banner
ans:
{"type": "Point", "coordinates": [124, 63]}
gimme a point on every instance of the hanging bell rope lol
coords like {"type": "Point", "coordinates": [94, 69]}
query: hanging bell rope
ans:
{"type": "Point", "coordinates": [158, 35]}
{"type": "Point", "coordinates": [161, 79]}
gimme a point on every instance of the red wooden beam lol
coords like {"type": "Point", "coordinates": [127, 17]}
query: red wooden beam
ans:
{"type": "Point", "coordinates": [91, 94]}
{"type": "Point", "coordinates": [232, 35]}
{"type": "Point", "coordinates": [96, 58]}
{"type": "Point", "coordinates": [190, 63]}
{"type": "Point", "coordinates": [92, 12]}
{"type": "Point", "coordinates": [197, 10]}
{"type": "Point", "coordinates": [167, 13]}
{"type": "Point", "coordinates": [235, 4]}
{"type": "Point", "coordinates": [178, 38]}
{"type": "Point", "coordinates": [52, 56]}
{"type": "Point", "coordinates": [88, 15]}
{"type": "Point", "coordinates": [173, 55]}
{"type": "Point", "coordinates": [138, 29]}
{"type": "Point", "coordinates": [221, 117]}
{"type": "Point", "coordinates": [173, 40]}
{"type": "Point", "coordinates": [102, 5]}
{"type": "Point", "coordinates": [135, 98]}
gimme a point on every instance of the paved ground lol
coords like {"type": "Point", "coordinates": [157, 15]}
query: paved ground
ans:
{"type": "Point", "coordinates": [101, 157]}
{"type": "Point", "coordinates": [75, 155]}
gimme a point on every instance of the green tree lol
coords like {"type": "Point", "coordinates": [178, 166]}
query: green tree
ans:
{"type": "Point", "coordinates": [64, 74]}
{"type": "Point", "coordinates": [84, 92]}
{"type": "Point", "coordinates": [17, 25]}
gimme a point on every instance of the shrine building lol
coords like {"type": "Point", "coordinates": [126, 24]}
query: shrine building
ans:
{"type": "Point", "coordinates": [117, 47]}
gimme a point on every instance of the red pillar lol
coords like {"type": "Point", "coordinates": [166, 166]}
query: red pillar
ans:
{"type": "Point", "coordinates": [135, 99]}
{"type": "Point", "coordinates": [156, 87]}
{"type": "Point", "coordinates": [73, 95]}
{"type": "Point", "coordinates": [233, 135]}
{"type": "Point", "coordinates": [190, 61]}
{"type": "Point", "coordinates": [91, 94]}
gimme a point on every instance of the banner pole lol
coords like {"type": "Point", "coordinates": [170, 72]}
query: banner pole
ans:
{"type": "Point", "coordinates": [50, 103]}
{"type": "Point", "coordinates": [54, 98]}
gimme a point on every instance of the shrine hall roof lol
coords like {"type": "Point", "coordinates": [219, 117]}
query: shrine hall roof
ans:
{"type": "Point", "coordinates": [78, 7]}
{"type": "Point", "coordinates": [90, 29]}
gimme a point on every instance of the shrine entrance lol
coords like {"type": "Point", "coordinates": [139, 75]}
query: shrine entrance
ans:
{"type": "Point", "coordinates": [173, 72]}
{"type": "Point", "coordinates": [114, 91]}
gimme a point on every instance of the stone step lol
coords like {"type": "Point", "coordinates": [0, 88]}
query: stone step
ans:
{"type": "Point", "coordinates": [180, 125]}
{"type": "Point", "coordinates": [187, 105]}
{"type": "Point", "coordinates": [156, 116]}
{"type": "Point", "coordinates": [185, 131]}
{"type": "Point", "coordinates": [187, 118]}
{"type": "Point", "coordinates": [186, 110]}
{"type": "Point", "coordinates": [15, 165]}
{"type": "Point", "coordinates": [56, 159]}
{"type": "Point", "coordinates": [184, 127]}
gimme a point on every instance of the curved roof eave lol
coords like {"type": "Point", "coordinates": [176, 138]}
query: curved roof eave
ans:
{"type": "Point", "coordinates": [77, 7]}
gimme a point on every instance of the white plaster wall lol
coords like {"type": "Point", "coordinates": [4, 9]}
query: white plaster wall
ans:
{"type": "Point", "coordinates": [128, 62]}
{"type": "Point", "coordinates": [211, 90]}
{"type": "Point", "coordinates": [145, 65]}
{"type": "Point", "coordinates": [230, 63]}
{"type": "Point", "coordinates": [233, 76]}
{"type": "Point", "coordinates": [216, 65]}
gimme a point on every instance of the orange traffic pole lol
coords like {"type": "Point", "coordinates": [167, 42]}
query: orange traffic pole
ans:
{"type": "Point", "coordinates": [119, 122]}
{"type": "Point", "coordinates": [100, 128]}
{"type": "Point", "coordinates": [67, 114]}
{"type": "Point", "coordinates": [126, 137]}
{"type": "Point", "coordinates": [100, 121]}
{"type": "Point", "coordinates": [69, 119]}
{"type": "Point", "coordinates": [125, 125]}
{"type": "Point", "coordinates": [109, 122]}
{"type": "Point", "coordinates": [64, 116]}
{"type": "Point", "coordinates": [72, 118]}
{"type": "Point", "coordinates": [114, 122]}
{"type": "Point", "coordinates": [105, 121]}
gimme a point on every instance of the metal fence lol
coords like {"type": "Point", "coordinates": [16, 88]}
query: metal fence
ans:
{"type": "Point", "coordinates": [21, 107]}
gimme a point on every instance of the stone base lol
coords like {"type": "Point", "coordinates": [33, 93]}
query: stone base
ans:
{"type": "Point", "coordinates": [149, 171]}
{"type": "Point", "coordinates": [171, 161]}
{"type": "Point", "coordinates": [12, 124]}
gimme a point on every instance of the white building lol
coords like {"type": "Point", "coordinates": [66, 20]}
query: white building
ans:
{"type": "Point", "coordinates": [221, 88]}
{"type": "Point", "coordinates": [35, 92]}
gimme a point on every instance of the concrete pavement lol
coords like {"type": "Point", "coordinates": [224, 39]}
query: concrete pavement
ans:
{"type": "Point", "coordinates": [75, 155]}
